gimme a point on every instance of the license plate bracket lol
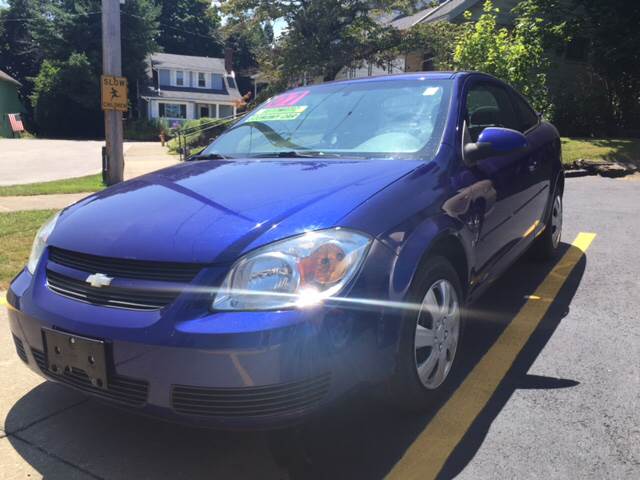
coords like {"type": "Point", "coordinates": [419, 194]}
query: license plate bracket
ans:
{"type": "Point", "coordinates": [66, 351]}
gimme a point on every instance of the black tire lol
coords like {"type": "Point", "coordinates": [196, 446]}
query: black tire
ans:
{"type": "Point", "coordinates": [406, 390]}
{"type": "Point", "coordinates": [546, 246]}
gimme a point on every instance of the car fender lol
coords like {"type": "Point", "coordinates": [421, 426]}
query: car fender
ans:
{"type": "Point", "coordinates": [426, 239]}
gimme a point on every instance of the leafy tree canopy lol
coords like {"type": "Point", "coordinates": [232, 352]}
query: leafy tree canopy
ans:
{"type": "Point", "coordinates": [64, 98]}
{"type": "Point", "coordinates": [190, 27]}
{"type": "Point", "coordinates": [517, 56]}
{"type": "Point", "coordinates": [321, 37]}
{"type": "Point", "coordinates": [41, 38]}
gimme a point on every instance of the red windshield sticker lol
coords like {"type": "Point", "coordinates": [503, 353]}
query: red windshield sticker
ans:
{"type": "Point", "coordinates": [287, 99]}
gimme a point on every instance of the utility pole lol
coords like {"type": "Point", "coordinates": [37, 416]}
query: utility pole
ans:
{"type": "Point", "coordinates": [112, 65]}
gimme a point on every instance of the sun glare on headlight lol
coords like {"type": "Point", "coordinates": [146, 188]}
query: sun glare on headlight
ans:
{"type": "Point", "coordinates": [300, 271]}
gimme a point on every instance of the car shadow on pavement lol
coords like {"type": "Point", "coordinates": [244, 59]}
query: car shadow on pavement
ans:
{"type": "Point", "coordinates": [357, 438]}
{"type": "Point", "coordinates": [365, 439]}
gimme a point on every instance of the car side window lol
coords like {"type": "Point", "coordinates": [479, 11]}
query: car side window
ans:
{"type": "Point", "coordinates": [489, 105]}
{"type": "Point", "coordinates": [528, 117]}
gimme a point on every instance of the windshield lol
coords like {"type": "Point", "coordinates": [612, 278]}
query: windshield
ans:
{"type": "Point", "coordinates": [390, 119]}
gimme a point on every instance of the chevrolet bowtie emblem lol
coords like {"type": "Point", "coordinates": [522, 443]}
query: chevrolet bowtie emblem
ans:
{"type": "Point", "coordinates": [98, 280]}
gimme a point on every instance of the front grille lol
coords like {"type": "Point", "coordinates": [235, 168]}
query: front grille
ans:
{"type": "Point", "coordinates": [124, 268]}
{"type": "Point", "coordinates": [132, 298]}
{"type": "Point", "coordinates": [250, 401]}
{"type": "Point", "coordinates": [20, 349]}
{"type": "Point", "coordinates": [120, 389]}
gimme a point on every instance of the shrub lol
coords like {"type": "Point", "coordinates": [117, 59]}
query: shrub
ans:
{"type": "Point", "coordinates": [143, 129]}
{"type": "Point", "coordinates": [583, 109]}
{"type": "Point", "coordinates": [64, 99]}
{"type": "Point", "coordinates": [516, 56]}
{"type": "Point", "coordinates": [207, 129]}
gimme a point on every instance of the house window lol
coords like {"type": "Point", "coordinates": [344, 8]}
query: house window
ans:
{"type": "Point", "coordinates": [172, 110]}
{"type": "Point", "coordinates": [216, 82]}
{"type": "Point", "coordinates": [179, 78]}
{"type": "Point", "coordinates": [231, 82]}
{"type": "Point", "coordinates": [225, 111]}
{"type": "Point", "coordinates": [201, 80]}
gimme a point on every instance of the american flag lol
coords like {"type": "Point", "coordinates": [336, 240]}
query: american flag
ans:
{"type": "Point", "coordinates": [16, 122]}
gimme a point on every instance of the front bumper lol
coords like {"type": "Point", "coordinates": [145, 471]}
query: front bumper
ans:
{"type": "Point", "coordinates": [224, 370]}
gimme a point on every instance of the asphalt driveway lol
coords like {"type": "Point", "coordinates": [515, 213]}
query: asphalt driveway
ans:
{"type": "Point", "coordinates": [566, 408]}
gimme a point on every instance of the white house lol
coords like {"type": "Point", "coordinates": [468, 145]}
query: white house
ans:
{"type": "Point", "coordinates": [185, 87]}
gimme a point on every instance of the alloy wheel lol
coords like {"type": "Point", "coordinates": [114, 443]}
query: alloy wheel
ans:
{"type": "Point", "coordinates": [437, 334]}
{"type": "Point", "coordinates": [556, 221]}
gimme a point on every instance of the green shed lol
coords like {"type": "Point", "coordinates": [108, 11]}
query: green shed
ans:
{"type": "Point", "coordinates": [9, 102]}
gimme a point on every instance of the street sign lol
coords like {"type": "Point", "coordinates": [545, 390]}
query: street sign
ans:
{"type": "Point", "coordinates": [114, 93]}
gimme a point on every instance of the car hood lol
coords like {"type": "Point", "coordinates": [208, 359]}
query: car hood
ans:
{"type": "Point", "coordinates": [216, 210]}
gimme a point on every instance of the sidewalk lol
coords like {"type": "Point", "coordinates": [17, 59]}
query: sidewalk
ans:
{"type": "Point", "coordinates": [139, 158]}
{"type": "Point", "coordinates": [145, 157]}
{"type": "Point", "coordinates": [39, 202]}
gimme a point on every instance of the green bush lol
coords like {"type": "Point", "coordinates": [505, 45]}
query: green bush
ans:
{"type": "Point", "coordinates": [582, 109]}
{"type": "Point", "coordinates": [64, 99]}
{"type": "Point", "coordinates": [143, 129]}
{"type": "Point", "coordinates": [516, 56]}
{"type": "Point", "coordinates": [200, 137]}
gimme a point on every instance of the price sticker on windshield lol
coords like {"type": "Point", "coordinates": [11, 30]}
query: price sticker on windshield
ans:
{"type": "Point", "coordinates": [287, 99]}
{"type": "Point", "coordinates": [277, 114]}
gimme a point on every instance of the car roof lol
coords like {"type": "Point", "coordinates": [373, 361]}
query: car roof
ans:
{"type": "Point", "coordinates": [435, 75]}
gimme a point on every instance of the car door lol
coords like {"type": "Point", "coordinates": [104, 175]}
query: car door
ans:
{"type": "Point", "coordinates": [498, 189]}
{"type": "Point", "coordinates": [538, 163]}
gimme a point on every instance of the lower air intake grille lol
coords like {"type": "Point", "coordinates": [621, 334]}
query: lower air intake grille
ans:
{"type": "Point", "coordinates": [20, 349]}
{"type": "Point", "coordinates": [250, 401]}
{"type": "Point", "coordinates": [125, 390]}
{"type": "Point", "coordinates": [135, 299]}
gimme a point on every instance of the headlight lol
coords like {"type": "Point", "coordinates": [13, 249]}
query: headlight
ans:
{"type": "Point", "coordinates": [40, 242]}
{"type": "Point", "coordinates": [296, 272]}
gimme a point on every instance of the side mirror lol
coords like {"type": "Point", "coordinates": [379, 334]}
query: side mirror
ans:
{"type": "Point", "coordinates": [494, 141]}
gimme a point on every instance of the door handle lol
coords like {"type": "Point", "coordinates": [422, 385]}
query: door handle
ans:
{"type": "Point", "coordinates": [533, 166]}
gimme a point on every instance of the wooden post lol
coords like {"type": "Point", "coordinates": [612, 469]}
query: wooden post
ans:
{"type": "Point", "coordinates": [112, 65]}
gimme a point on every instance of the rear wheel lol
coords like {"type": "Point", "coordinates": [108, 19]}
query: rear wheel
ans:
{"type": "Point", "coordinates": [430, 338]}
{"type": "Point", "coordinates": [546, 245]}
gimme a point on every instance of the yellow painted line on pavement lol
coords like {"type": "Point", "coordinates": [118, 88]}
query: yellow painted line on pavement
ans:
{"type": "Point", "coordinates": [3, 299]}
{"type": "Point", "coordinates": [427, 455]}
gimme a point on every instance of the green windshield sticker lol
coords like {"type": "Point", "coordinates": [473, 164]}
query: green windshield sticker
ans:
{"type": "Point", "coordinates": [280, 113]}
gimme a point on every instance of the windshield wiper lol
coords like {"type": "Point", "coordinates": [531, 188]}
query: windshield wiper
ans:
{"type": "Point", "coordinates": [208, 156]}
{"type": "Point", "coordinates": [296, 154]}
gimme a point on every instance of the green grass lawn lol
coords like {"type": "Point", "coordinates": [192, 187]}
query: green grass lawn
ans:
{"type": "Point", "coordinates": [90, 183]}
{"type": "Point", "coordinates": [17, 230]}
{"type": "Point", "coordinates": [625, 151]}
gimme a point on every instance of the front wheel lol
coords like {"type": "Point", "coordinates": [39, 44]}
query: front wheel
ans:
{"type": "Point", "coordinates": [430, 337]}
{"type": "Point", "coordinates": [546, 245]}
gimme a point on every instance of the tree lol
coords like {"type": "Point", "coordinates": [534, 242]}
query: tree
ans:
{"type": "Point", "coordinates": [603, 98]}
{"type": "Point", "coordinates": [190, 27]}
{"type": "Point", "coordinates": [247, 40]}
{"type": "Point", "coordinates": [439, 39]}
{"type": "Point", "coordinates": [24, 31]}
{"type": "Point", "coordinates": [64, 98]}
{"type": "Point", "coordinates": [56, 29]}
{"type": "Point", "coordinates": [516, 56]}
{"type": "Point", "coordinates": [321, 37]}
{"type": "Point", "coordinates": [611, 29]}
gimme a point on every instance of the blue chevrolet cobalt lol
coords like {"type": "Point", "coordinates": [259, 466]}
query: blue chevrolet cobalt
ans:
{"type": "Point", "coordinates": [328, 241]}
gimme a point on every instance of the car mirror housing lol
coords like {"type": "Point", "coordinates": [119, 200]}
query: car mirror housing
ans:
{"type": "Point", "coordinates": [494, 141]}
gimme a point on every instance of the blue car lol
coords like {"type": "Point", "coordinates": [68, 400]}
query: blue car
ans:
{"type": "Point", "coordinates": [328, 241]}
